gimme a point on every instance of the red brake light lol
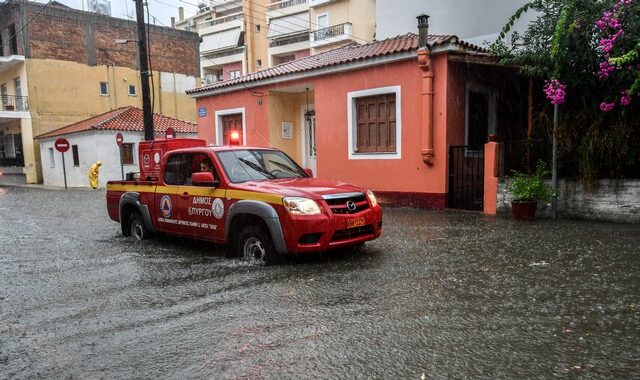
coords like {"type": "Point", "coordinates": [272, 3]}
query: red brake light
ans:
{"type": "Point", "coordinates": [235, 138]}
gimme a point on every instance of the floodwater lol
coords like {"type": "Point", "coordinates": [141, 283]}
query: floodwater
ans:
{"type": "Point", "coordinates": [441, 294]}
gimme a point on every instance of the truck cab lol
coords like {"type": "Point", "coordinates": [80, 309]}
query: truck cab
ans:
{"type": "Point", "coordinates": [256, 200]}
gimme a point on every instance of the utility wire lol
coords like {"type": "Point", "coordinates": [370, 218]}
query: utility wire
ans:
{"type": "Point", "coordinates": [282, 29]}
{"type": "Point", "coordinates": [276, 11]}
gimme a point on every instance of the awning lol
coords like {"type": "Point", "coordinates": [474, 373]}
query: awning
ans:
{"type": "Point", "coordinates": [296, 23]}
{"type": "Point", "coordinates": [225, 39]}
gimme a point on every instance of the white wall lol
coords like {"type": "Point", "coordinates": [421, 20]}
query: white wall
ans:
{"type": "Point", "coordinates": [604, 200]}
{"type": "Point", "coordinates": [92, 146]}
{"type": "Point", "coordinates": [471, 20]}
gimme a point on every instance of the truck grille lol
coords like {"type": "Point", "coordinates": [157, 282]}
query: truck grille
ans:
{"type": "Point", "coordinates": [347, 203]}
{"type": "Point", "coordinates": [351, 233]}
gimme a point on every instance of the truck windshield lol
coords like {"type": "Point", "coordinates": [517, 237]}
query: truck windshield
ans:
{"type": "Point", "coordinates": [248, 165]}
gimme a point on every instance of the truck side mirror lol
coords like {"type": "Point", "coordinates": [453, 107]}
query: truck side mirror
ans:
{"type": "Point", "coordinates": [309, 172]}
{"type": "Point", "coordinates": [204, 179]}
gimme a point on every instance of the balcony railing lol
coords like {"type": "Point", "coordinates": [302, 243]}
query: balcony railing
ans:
{"type": "Point", "coordinates": [14, 103]}
{"type": "Point", "coordinates": [289, 39]}
{"type": "Point", "coordinates": [332, 31]}
{"type": "Point", "coordinates": [284, 4]}
{"type": "Point", "coordinates": [222, 20]}
{"type": "Point", "coordinates": [223, 52]}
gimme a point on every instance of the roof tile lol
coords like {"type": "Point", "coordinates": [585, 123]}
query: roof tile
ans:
{"type": "Point", "coordinates": [124, 119]}
{"type": "Point", "coordinates": [349, 53]}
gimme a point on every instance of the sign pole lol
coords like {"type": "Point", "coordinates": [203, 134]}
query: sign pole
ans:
{"type": "Point", "coordinates": [121, 166]}
{"type": "Point", "coordinates": [62, 145]}
{"type": "Point", "coordinates": [119, 140]}
{"type": "Point", "coordinates": [64, 171]}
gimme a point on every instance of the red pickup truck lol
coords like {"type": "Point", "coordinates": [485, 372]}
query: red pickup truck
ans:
{"type": "Point", "coordinates": [256, 200]}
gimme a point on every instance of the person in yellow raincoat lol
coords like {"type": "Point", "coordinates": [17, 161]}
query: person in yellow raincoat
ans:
{"type": "Point", "coordinates": [94, 170]}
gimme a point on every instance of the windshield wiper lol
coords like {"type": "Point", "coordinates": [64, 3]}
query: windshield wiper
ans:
{"type": "Point", "coordinates": [285, 167]}
{"type": "Point", "coordinates": [256, 168]}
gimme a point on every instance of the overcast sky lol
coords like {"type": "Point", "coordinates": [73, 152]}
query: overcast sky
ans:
{"type": "Point", "coordinates": [162, 10]}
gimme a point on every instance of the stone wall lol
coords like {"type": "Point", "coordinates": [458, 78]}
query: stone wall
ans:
{"type": "Point", "coordinates": [605, 200]}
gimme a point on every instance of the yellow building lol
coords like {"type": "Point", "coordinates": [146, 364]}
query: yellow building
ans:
{"type": "Point", "coordinates": [60, 65]}
{"type": "Point", "coordinates": [243, 36]}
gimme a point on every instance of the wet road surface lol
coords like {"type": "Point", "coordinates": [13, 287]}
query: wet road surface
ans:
{"type": "Point", "coordinates": [444, 294]}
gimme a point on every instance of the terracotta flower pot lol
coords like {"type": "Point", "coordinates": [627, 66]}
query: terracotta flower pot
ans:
{"type": "Point", "coordinates": [524, 210]}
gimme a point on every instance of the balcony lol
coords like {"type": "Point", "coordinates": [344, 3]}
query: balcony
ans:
{"type": "Point", "coordinates": [221, 23]}
{"type": "Point", "coordinates": [8, 62]}
{"type": "Point", "coordinates": [14, 103]}
{"type": "Point", "coordinates": [222, 56]}
{"type": "Point", "coordinates": [285, 8]}
{"type": "Point", "coordinates": [289, 39]}
{"type": "Point", "coordinates": [315, 3]}
{"type": "Point", "coordinates": [330, 35]}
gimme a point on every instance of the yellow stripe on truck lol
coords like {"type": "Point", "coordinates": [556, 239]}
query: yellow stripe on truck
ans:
{"type": "Point", "coordinates": [254, 196]}
{"type": "Point", "coordinates": [197, 191]}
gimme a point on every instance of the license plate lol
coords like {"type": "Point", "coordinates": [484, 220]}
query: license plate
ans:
{"type": "Point", "coordinates": [357, 222]}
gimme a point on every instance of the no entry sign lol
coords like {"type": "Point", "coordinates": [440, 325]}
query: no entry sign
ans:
{"type": "Point", "coordinates": [119, 139]}
{"type": "Point", "coordinates": [62, 145]}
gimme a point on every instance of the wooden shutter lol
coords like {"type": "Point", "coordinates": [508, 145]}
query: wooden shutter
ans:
{"type": "Point", "coordinates": [376, 123]}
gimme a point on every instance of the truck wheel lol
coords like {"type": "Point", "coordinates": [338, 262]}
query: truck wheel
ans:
{"type": "Point", "coordinates": [138, 229]}
{"type": "Point", "coordinates": [255, 246]}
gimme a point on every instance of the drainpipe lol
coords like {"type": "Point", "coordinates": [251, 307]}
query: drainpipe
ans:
{"type": "Point", "coordinates": [424, 60]}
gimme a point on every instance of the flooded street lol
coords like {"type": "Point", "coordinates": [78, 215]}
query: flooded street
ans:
{"type": "Point", "coordinates": [444, 294]}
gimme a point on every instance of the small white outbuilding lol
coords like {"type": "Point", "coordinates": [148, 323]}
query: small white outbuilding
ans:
{"type": "Point", "coordinates": [94, 139]}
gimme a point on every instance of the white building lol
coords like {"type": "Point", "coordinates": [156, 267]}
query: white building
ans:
{"type": "Point", "coordinates": [95, 139]}
{"type": "Point", "coordinates": [474, 21]}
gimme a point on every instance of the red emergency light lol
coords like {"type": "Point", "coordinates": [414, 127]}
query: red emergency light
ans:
{"type": "Point", "coordinates": [235, 138]}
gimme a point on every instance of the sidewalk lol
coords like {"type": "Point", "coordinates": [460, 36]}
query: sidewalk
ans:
{"type": "Point", "coordinates": [18, 180]}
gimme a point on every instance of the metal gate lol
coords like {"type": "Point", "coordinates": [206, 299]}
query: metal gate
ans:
{"type": "Point", "coordinates": [466, 177]}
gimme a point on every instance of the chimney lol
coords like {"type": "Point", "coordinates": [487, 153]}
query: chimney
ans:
{"type": "Point", "coordinates": [180, 13]}
{"type": "Point", "coordinates": [423, 31]}
{"type": "Point", "coordinates": [173, 22]}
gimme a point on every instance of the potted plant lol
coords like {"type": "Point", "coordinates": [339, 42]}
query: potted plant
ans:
{"type": "Point", "coordinates": [527, 190]}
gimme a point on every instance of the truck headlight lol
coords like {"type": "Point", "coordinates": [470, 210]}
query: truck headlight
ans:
{"type": "Point", "coordinates": [301, 206]}
{"type": "Point", "coordinates": [372, 198]}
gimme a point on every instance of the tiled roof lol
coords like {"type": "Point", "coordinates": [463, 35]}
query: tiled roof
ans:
{"type": "Point", "coordinates": [124, 119]}
{"type": "Point", "coordinates": [346, 54]}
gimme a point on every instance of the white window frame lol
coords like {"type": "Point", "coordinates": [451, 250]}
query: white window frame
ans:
{"type": "Point", "coordinates": [135, 90]}
{"type": "Point", "coordinates": [352, 124]}
{"type": "Point", "coordinates": [100, 88]}
{"type": "Point", "coordinates": [218, 124]}
{"type": "Point", "coordinates": [492, 95]}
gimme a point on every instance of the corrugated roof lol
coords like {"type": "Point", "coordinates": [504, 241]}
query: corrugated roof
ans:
{"type": "Point", "coordinates": [346, 54]}
{"type": "Point", "coordinates": [124, 119]}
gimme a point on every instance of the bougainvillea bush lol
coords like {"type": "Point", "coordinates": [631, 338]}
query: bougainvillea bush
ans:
{"type": "Point", "coordinates": [585, 57]}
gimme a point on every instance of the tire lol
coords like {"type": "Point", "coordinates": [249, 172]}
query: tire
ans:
{"type": "Point", "coordinates": [137, 227]}
{"type": "Point", "coordinates": [254, 245]}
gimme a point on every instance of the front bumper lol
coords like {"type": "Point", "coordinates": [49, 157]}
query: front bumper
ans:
{"type": "Point", "coordinates": [308, 234]}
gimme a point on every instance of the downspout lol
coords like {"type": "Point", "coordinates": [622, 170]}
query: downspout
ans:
{"type": "Point", "coordinates": [115, 90]}
{"type": "Point", "coordinates": [424, 60]}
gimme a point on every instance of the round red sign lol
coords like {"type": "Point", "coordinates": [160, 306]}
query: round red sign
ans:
{"type": "Point", "coordinates": [62, 145]}
{"type": "Point", "coordinates": [119, 138]}
{"type": "Point", "coordinates": [169, 133]}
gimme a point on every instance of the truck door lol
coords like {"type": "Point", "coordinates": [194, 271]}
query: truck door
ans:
{"type": "Point", "coordinates": [202, 207]}
{"type": "Point", "coordinates": [169, 216]}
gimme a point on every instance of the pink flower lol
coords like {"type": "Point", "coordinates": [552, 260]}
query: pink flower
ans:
{"type": "Point", "coordinates": [625, 98]}
{"type": "Point", "coordinates": [605, 69]}
{"type": "Point", "coordinates": [606, 107]}
{"type": "Point", "coordinates": [555, 91]}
